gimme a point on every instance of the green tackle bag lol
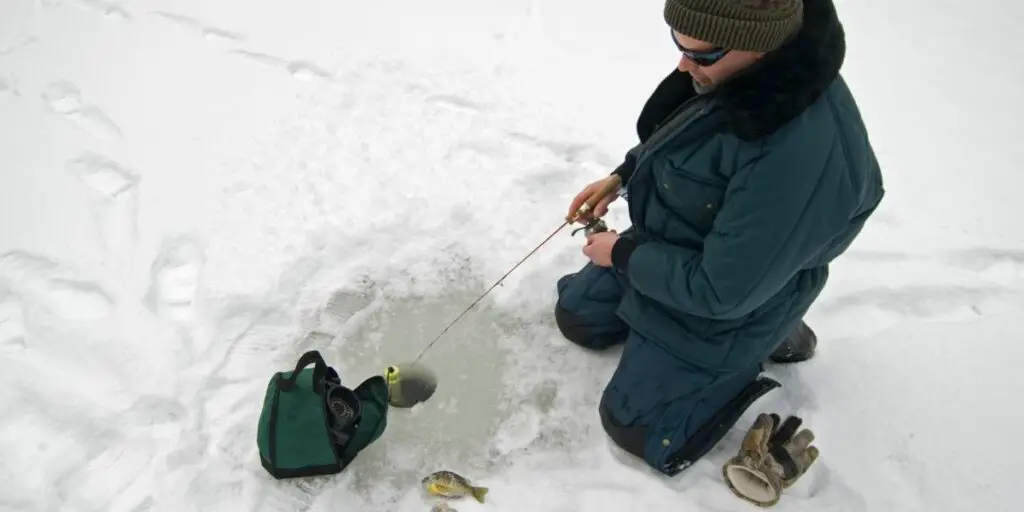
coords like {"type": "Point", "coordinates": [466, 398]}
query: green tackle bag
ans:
{"type": "Point", "coordinates": [312, 425]}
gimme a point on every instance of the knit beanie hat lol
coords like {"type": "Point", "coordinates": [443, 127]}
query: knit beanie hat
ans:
{"type": "Point", "coordinates": [745, 25]}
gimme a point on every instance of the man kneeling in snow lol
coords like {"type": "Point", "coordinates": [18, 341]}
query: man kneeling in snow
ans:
{"type": "Point", "coordinates": [753, 173]}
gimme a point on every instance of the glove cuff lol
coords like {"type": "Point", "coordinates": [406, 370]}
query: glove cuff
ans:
{"type": "Point", "coordinates": [753, 479]}
{"type": "Point", "coordinates": [622, 250]}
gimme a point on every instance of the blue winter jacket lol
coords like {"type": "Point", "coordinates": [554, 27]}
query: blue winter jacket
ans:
{"type": "Point", "coordinates": [740, 198]}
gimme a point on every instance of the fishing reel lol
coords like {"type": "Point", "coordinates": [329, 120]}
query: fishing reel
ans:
{"type": "Point", "coordinates": [611, 185]}
{"type": "Point", "coordinates": [596, 225]}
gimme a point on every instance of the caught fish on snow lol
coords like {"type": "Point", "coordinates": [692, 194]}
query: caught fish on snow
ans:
{"type": "Point", "coordinates": [448, 484]}
{"type": "Point", "coordinates": [442, 507]}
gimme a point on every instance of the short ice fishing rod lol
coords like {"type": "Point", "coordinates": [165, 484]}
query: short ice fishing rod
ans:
{"type": "Point", "coordinates": [412, 383]}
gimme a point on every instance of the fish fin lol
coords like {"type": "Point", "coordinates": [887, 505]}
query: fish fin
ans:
{"type": "Point", "coordinates": [479, 493]}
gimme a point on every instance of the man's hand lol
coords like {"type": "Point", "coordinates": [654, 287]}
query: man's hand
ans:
{"type": "Point", "coordinates": [601, 208]}
{"type": "Point", "coordinates": [599, 248]}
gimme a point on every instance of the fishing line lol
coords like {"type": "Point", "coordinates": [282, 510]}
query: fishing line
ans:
{"type": "Point", "coordinates": [493, 286]}
{"type": "Point", "coordinates": [413, 383]}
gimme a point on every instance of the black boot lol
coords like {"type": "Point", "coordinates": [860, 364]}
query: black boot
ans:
{"type": "Point", "coordinates": [798, 346]}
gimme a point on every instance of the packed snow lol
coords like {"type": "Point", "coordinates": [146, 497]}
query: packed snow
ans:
{"type": "Point", "coordinates": [194, 192]}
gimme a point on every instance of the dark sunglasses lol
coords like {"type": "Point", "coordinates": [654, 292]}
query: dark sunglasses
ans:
{"type": "Point", "coordinates": [702, 59]}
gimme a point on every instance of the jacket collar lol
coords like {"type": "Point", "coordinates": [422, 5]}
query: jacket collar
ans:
{"type": "Point", "coordinates": [767, 95]}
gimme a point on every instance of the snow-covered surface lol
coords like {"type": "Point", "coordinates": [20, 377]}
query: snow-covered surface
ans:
{"type": "Point", "coordinates": [196, 191]}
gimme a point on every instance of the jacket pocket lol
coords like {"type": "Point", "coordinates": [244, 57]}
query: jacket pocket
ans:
{"type": "Point", "coordinates": [692, 199]}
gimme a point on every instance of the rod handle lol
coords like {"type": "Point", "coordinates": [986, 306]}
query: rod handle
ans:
{"type": "Point", "coordinates": [610, 186]}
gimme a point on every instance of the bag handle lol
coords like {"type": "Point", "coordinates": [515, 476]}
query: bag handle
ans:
{"type": "Point", "coordinates": [319, 371]}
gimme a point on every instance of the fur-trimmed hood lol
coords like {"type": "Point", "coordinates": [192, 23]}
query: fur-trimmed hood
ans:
{"type": "Point", "coordinates": [776, 89]}
{"type": "Point", "coordinates": [773, 91]}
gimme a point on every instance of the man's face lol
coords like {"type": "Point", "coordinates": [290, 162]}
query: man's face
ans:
{"type": "Point", "coordinates": [716, 72]}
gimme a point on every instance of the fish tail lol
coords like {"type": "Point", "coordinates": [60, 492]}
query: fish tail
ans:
{"type": "Point", "coordinates": [479, 493]}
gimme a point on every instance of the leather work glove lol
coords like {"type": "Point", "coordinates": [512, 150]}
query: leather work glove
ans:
{"type": "Point", "coordinates": [770, 459]}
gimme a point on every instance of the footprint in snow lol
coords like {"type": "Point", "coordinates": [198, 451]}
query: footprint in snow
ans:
{"type": "Point", "coordinates": [217, 34]}
{"type": "Point", "coordinates": [1002, 265]}
{"type": "Point", "coordinates": [476, 150]}
{"type": "Point", "coordinates": [64, 98]}
{"type": "Point", "coordinates": [300, 69]}
{"type": "Point", "coordinates": [304, 70]}
{"type": "Point", "coordinates": [174, 279]}
{"type": "Point", "coordinates": [20, 267]}
{"type": "Point", "coordinates": [12, 322]}
{"type": "Point", "coordinates": [710, 494]}
{"type": "Point", "coordinates": [108, 9]}
{"type": "Point", "coordinates": [115, 205]}
{"type": "Point", "coordinates": [8, 87]}
{"type": "Point", "coordinates": [456, 102]}
{"type": "Point", "coordinates": [104, 175]}
{"type": "Point", "coordinates": [11, 47]}
{"type": "Point", "coordinates": [568, 152]}
{"type": "Point", "coordinates": [189, 450]}
{"type": "Point", "coordinates": [199, 27]}
{"type": "Point", "coordinates": [145, 504]}
{"type": "Point", "coordinates": [151, 410]}
{"type": "Point", "coordinates": [877, 256]}
{"type": "Point", "coordinates": [40, 280]}
{"type": "Point", "coordinates": [549, 178]}
{"type": "Point", "coordinates": [344, 311]}
{"type": "Point", "coordinates": [262, 58]}
{"type": "Point", "coordinates": [796, 394]}
{"type": "Point", "coordinates": [78, 300]}
{"type": "Point", "coordinates": [885, 305]}
{"type": "Point", "coordinates": [827, 489]}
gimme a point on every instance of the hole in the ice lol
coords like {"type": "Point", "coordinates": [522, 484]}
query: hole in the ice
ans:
{"type": "Point", "coordinates": [433, 422]}
{"type": "Point", "coordinates": [410, 384]}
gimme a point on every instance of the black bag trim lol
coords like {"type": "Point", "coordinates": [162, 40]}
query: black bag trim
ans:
{"type": "Point", "coordinates": [301, 472]}
{"type": "Point", "coordinates": [272, 430]}
{"type": "Point", "coordinates": [319, 372]}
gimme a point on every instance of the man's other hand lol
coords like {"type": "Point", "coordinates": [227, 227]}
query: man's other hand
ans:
{"type": "Point", "coordinates": [599, 248]}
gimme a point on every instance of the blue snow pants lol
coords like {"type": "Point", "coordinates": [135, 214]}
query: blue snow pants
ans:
{"type": "Point", "coordinates": [656, 406]}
